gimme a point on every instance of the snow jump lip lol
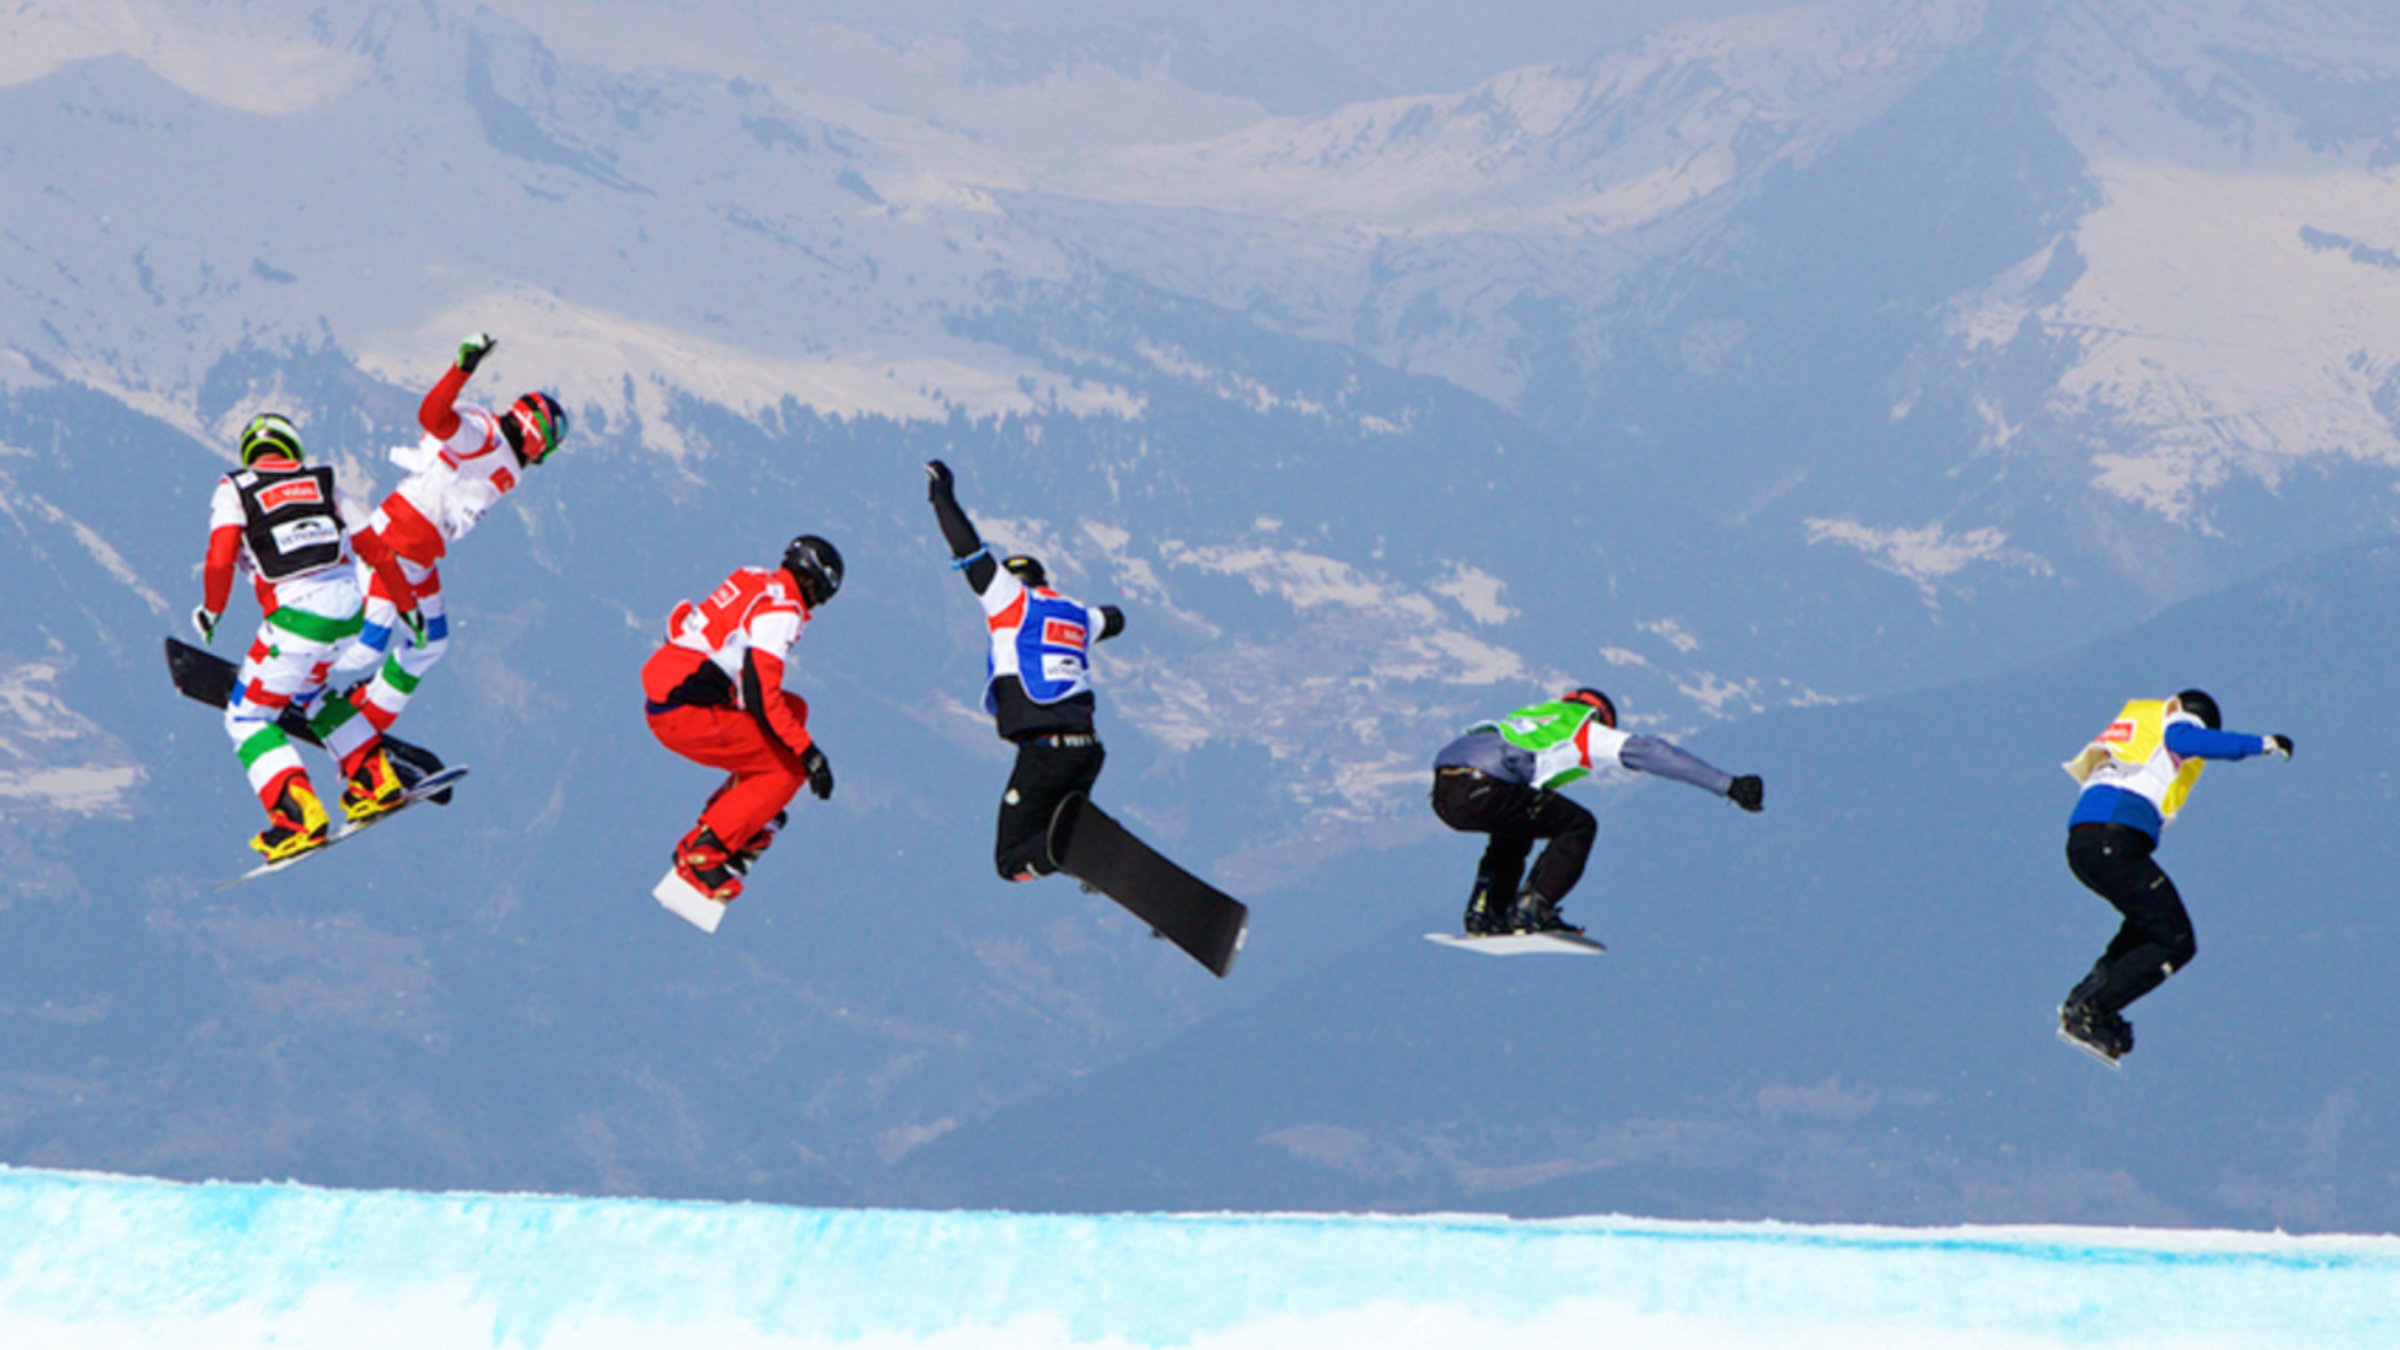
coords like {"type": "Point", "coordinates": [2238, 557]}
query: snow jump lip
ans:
{"type": "Point", "coordinates": [101, 1260]}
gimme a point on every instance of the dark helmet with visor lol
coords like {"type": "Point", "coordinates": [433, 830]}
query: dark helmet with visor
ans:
{"type": "Point", "coordinates": [816, 568]}
{"type": "Point", "coordinates": [1026, 568]}
{"type": "Point", "coordinates": [2200, 705]}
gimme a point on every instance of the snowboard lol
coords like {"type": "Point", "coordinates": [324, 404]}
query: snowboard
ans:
{"type": "Point", "coordinates": [682, 900]}
{"type": "Point", "coordinates": [432, 786]}
{"type": "Point", "coordinates": [1522, 944]}
{"type": "Point", "coordinates": [1088, 844]}
{"type": "Point", "coordinates": [2094, 1051]}
{"type": "Point", "coordinates": [205, 677]}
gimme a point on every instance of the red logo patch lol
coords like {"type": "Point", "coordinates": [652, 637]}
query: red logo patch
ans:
{"type": "Point", "coordinates": [298, 492]}
{"type": "Point", "coordinates": [2118, 733]}
{"type": "Point", "coordinates": [1062, 633]}
{"type": "Point", "coordinates": [503, 479]}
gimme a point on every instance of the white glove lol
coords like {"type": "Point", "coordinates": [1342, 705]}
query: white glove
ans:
{"type": "Point", "coordinates": [204, 622]}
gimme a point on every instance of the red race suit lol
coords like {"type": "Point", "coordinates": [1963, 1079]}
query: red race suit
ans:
{"type": "Point", "coordinates": [716, 697]}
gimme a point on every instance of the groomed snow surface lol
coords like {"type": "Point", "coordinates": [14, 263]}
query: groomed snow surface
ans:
{"type": "Point", "coordinates": [94, 1261]}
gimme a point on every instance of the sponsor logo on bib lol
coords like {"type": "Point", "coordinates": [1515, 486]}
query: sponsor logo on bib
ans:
{"type": "Point", "coordinates": [2118, 733]}
{"type": "Point", "coordinates": [293, 536]}
{"type": "Point", "coordinates": [1062, 633]}
{"type": "Point", "coordinates": [298, 492]}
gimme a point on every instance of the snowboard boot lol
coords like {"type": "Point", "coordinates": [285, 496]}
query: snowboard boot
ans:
{"type": "Point", "coordinates": [706, 865]}
{"type": "Point", "coordinates": [741, 858]}
{"type": "Point", "coordinates": [373, 789]}
{"type": "Point", "coordinates": [2096, 1031]}
{"type": "Point", "coordinates": [2087, 988]}
{"type": "Point", "coordinates": [296, 823]}
{"type": "Point", "coordinates": [1486, 917]}
{"type": "Point", "coordinates": [1537, 913]}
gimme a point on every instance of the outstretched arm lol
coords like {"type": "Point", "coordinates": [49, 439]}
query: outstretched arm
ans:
{"type": "Point", "coordinates": [966, 547]}
{"type": "Point", "coordinates": [1652, 755]}
{"type": "Point", "coordinates": [2190, 740]}
{"type": "Point", "coordinates": [438, 414]}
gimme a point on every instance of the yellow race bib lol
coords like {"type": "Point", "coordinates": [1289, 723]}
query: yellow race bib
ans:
{"type": "Point", "coordinates": [2136, 740]}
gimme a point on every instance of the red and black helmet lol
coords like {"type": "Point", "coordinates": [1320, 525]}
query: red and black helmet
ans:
{"type": "Point", "coordinates": [541, 424]}
{"type": "Point", "coordinates": [1592, 698]}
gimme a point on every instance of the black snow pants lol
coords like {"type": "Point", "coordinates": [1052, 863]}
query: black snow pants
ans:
{"type": "Point", "coordinates": [1049, 770]}
{"type": "Point", "coordinates": [2156, 939]}
{"type": "Point", "coordinates": [1515, 816]}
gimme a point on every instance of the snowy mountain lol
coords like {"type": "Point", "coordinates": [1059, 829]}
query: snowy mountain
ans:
{"type": "Point", "coordinates": [1833, 354]}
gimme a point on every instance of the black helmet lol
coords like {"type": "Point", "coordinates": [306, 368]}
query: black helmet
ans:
{"type": "Point", "coordinates": [1028, 569]}
{"type": "Point", "coordinates": [270, 434]}
{"type": "Point", "coordinates": [1591, 697]}
{"type": "Point", "coordinates": [2200, 705]}
{"type": "Point", "coordinates": [816, 567]}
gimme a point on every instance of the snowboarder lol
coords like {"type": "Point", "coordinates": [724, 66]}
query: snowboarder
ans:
{"type": "Point", "coordinates": [468, 458]}
{"type": "Point", "coordinates": [1501, 778]}
{"type": "Point", "coordinates": [2135, 777]}
{"type": "Point", "coordinates": [1037, 683]}
{"type": "Point", "coordinates": [283, 521]}
{"type": "Point", "coordinates": [716, 697]}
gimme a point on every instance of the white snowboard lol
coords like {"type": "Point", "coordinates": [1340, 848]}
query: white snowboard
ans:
{"type": "Point", "coordinates": [2094, 1051]}
{"type": "Point", "coordinates": [691, 906]}
{"type": "Point", "coordinates": [1522, 944]}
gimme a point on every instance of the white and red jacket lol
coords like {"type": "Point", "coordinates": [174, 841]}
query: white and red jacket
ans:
{"type": "Point", "coordinates": [460, 469]}
{"type": "Point", "coordinates": [729, 651]}
{"type": "Point", "coordinates": [325, 530]}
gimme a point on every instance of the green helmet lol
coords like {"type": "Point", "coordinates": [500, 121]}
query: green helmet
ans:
{"type": "Point", "coordinates": [270, 434]}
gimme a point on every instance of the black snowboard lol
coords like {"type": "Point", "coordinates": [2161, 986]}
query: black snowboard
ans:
{"type": "Point", "coordinates": [208, 678]}
{"type": "Point", "coordinates": [1092, 847]}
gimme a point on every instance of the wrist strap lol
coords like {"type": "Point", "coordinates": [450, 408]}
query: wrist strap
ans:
{"type": "Point", "coordinates": [962, 564]}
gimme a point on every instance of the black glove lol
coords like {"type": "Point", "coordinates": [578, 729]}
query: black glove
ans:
{"type": "Point", "coordinates": [1748, 792]}
{"type": "Point", "coordinates": [2280, 745]}
{"type": "Point", "coordinates": [939, 473]}
{"type": "Point", "coordinates": [472, 351]}
{"type": "Point", "coordinates": [820, 773]}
